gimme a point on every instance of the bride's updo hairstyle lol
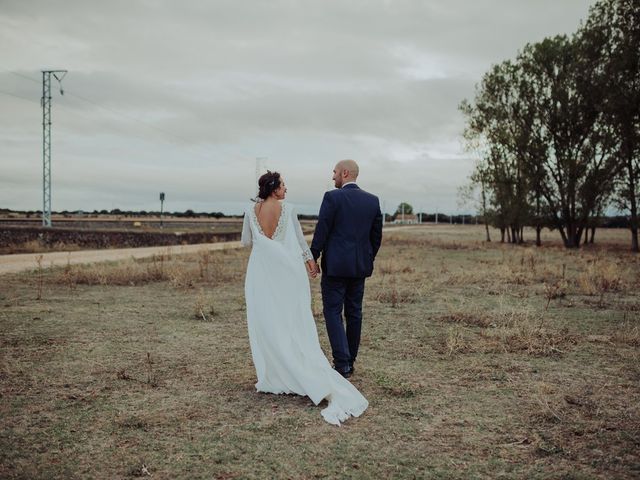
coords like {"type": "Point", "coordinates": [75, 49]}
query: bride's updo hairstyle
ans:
{"type": "Point", "coordinates": [267, 184]}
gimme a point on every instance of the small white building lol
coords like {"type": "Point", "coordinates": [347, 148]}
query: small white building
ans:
{"type": "Point", "coordinates": [406, 219]}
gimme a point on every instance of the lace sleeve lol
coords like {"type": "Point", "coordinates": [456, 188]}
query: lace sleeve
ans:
{"type": "Point", "coordinates": [306, 253]}
{"type": "Point", "coordinates": [246, 239]}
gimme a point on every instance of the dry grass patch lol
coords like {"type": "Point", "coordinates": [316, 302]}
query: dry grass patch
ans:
{"type": "Point", "coordinates": [601, 276]}
{"type": "Point", "coordinates": [122, 273]}
{"type": "Point", "coordinates": [471, 375]}
{"type": "Point", "coordinates": [530, 339]}
{"type": "Point", "coordinates": [37, 246]}
{"type": "Point", "coordinates": [504, 329]}
{"type": "Point", "coordinates": [203, 308]}
{"type": "Point", "coordinates": [180, 271]}
{"type": "Point", "coordinates": [396, 292]}
{"type": "Point", "coordinates": [397, 387]}
{"type": "Point", "coordinates": [469, 319]}
{"type": "Point", "coordinates": [456, 342]}
{"type": "Point", "coordinates": [628, 333]}
{"type": "Point", "coordinates": [393, 266]}
{"type": "Point", "coordinates": [396, 295]}
{"type": "Point", "coordinates": [395, 240]}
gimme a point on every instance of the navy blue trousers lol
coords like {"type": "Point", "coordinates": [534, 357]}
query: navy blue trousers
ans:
{"type": "Point", "coordinates": [340, 294]}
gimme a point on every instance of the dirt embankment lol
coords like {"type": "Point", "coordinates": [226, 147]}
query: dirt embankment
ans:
{"type": "Point", "coordinates": [14, 239]}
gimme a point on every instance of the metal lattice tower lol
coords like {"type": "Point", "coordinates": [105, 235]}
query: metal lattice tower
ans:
{"type": "Point", "coordinates": [260, 165]}
{"type": "Point", "coordinates": [46, 141]}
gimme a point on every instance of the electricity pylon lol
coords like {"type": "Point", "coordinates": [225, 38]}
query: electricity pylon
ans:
{"type": "Point", "coordinates": [260, 165]}
{"type": "Point", "coordinates": [46, 140]}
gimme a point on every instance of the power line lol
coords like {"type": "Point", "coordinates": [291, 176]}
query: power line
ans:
{"type": "Point", "coordinates": [30, 100]}
{"type": "Point", "coordinates": [66, 107]}
{"type": "Point", "coordinates": [109, 109]}
{"type": "Point", "coordinates": [126, 116]}
{"type": "Point", "coordinates": [22, 76]}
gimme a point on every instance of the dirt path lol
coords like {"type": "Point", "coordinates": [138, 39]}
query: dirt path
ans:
{"type": "Point", "coordinates": [28, 261]}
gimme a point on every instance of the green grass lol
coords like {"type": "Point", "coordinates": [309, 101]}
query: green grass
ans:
{"type": "Point", "coordinates": [468, 373]}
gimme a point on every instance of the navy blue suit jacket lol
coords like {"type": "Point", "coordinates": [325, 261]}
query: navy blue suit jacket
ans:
{"type": "Point", "coordinates": [348, 233]}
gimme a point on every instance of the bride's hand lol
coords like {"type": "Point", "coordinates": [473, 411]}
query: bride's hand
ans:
{"type": "Point", "coordinates": [312, 268]}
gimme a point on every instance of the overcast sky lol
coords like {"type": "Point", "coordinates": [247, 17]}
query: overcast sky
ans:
{"type": "Point", "coordinates": [182, 97]}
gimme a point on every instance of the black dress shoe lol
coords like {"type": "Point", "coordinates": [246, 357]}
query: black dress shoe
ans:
{"type": "Point", "coordinates": [347, 374]}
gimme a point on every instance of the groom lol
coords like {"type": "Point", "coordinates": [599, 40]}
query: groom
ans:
{"type": "Point", "coordinates": [348, 235]}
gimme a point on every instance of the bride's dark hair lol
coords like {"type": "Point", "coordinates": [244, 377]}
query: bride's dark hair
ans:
{"type": "Point", "coordinates": [267, 184]}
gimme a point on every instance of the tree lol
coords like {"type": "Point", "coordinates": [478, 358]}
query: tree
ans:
{"type": "Point", "coordinates": [499, 128]}
{"type": "Point", "coordinates": [558, 129]}
{"type": "Point", "coordinates": [468, 195]}
{"type": "Point", "coordinates": [404, 207]}
{"type": "Point", "coordinates": [577, 164]}
{"type": "Point", "coordinates": [480, 177]}
{"type": "Point", "coordinates": [546, 152]}
{"type": "Point", "coordinates": [612, 34]}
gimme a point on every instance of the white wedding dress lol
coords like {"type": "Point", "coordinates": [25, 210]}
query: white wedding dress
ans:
{"type": "Point", "coordinates": [282, 331]}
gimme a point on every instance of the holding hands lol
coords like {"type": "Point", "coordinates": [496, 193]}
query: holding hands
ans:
{"type": "Point", "coordinates": [312, 268]}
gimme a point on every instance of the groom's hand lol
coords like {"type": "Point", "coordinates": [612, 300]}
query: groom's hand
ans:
{"type": "Point", "coordinates": [312, 268]}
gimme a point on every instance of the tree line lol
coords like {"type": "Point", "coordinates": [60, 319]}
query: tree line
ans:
{"type": "Point", "coordinates": [557, 130]}
{"type": "Point", "coordinates": [135, 213]}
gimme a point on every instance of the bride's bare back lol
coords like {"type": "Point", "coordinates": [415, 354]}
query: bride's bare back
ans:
{"type": "Point", "coordinates": [268, 215]}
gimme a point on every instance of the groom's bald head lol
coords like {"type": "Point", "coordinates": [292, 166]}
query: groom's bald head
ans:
{"type": "Point", "coordinates": [344, 172]}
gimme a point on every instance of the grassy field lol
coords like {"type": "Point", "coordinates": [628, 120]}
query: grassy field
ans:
{"type": "Point", "coordinates": [479, 361]}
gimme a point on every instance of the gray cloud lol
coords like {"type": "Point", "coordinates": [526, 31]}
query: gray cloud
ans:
{"type": "Point", "coordinates": [183, 96]}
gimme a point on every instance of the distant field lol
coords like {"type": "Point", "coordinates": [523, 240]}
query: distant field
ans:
{"type": "Point", "coordinates": [479, 361]}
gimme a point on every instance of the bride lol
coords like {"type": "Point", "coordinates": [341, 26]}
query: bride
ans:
{"type": "Point", "coordinates": [282, 331]}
